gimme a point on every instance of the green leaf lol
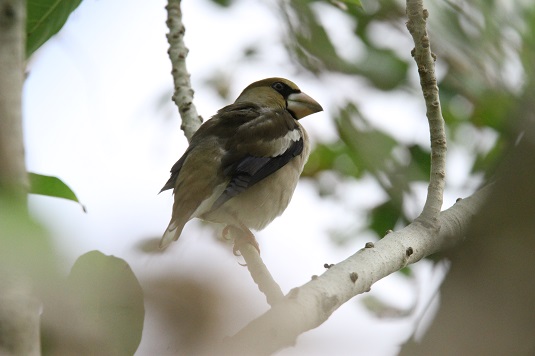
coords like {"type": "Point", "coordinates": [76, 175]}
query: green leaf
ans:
{"type": "Point", "coordinates": [308, 41]}
{"type": "Point", "coordinates": [333, 156]}
{"type": "Point", "coordinates": [347, 2]}
{"type": "Point", "coordinates": [52, 187]}
{"type": "Point", "coordinates": [383, 68]}
{"type": "Point", "coordinates": [223, 3]}
{"type": "Point", "coordinates": [420, 166]}
{"type": "Point", "coordinates": [384, 217]}
{"type": "Point", "coordinates": [110, 299]}
{"type": "Point", "coordinates": [382, 309]}
{"type": "Point", "coordinates": [310, 45]}
{"type": "Point", "coordinates": [44, 19]}
{"type": "Point", "coordinates": [369, 149]}
{"type": "Point", "coordinates": [487, 163]}
{"type": "Point", "coordinates": [406, 271]}
{"type": "Point", "coordinates": [345, 5]}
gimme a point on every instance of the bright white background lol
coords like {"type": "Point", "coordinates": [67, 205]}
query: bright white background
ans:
{"type": "Point", "coordinates": [94, 118]}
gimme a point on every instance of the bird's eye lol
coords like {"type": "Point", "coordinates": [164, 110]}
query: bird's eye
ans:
{"type": "Point", "coordinates": [278, 86]}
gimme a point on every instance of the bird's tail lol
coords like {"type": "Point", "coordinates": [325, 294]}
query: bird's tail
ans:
{"type": "Point", "coordinates": [171, 234]}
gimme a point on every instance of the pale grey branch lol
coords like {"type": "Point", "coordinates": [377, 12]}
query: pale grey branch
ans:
{"type": "Point", "coordinates": [425, 60]}
{"type": "Point", "coordinates": [183, 95]}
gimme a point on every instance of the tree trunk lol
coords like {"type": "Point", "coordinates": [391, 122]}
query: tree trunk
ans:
{"type": "Point", "coordinates": [19, 311]}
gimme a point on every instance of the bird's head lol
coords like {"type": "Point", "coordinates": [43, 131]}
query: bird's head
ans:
{"type": "Point", "coordinates": [280, 92]}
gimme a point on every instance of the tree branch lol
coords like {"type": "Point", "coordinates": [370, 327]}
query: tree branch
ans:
{"type": "Point", "coordinates": [308, 306]}
{"type": "Point", "coordinates": [19, 310]}
{"type": "Point", "coordinates": [183, 95]}
{"type": "Point", "coordinates": [258, 270]}
{"type": "Point", "coordinates": [425, 61]}
{"type": "Point", "coordinates": [19, 317]}
{"type": "Point", "coordinates": [12, 33]}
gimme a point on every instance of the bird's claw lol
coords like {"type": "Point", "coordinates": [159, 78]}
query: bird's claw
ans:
{"type": "Point", "coordinates": [241, 235]}
{"type": "Point", "coordinates": [236, 250]}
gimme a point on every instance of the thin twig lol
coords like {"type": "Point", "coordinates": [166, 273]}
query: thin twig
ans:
{"type": "Point", "coordinates": [258, 270]}
{"type": "Point", "coordinates": [183, 95]}
{"type": "Point", "coordinates": [425, 60]}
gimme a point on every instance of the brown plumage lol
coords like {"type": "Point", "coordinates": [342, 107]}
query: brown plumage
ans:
{"type": "Point", "coordinates": [242, 166]}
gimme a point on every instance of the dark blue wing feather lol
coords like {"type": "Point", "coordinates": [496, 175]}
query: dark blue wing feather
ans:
{"type": "Point", "coordinates": [251, 170]}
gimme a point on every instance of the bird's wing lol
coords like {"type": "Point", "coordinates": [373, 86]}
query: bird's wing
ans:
{"type": "Point", "coordinates": [203, 134]}
{"type": "Point", "coordinates": [175, 170]}
{"type": "Point", "coordinates": [260, 146]}
{"type": "Point", "coordinates": [196, 178]}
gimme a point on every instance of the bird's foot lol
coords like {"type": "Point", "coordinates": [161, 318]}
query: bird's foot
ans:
{"type": "Point", "coordinates": [241, 235]}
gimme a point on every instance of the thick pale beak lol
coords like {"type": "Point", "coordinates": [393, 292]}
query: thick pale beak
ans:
{"type": "Point", "coordinates": [302, 105]}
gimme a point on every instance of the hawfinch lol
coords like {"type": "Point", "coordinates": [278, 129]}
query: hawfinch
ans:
{"type": "Point", "coordinates": [242, 166]}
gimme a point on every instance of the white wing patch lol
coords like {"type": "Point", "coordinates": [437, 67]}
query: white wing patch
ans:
{"type": "Point", "coordinates": [281, 144]}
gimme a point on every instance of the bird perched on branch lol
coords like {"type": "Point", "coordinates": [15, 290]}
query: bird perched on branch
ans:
{"type": "Point", "coordinates": [242, 166]}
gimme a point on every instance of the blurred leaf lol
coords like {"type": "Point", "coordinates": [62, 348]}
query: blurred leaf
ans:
{"type": "Point", "coordinates": [44, 19]}
{"type": "Point", "coordinates": [150, 245]}
{"type": "Point", "coordinates": [420, 166]}
{"type": "Point", "coordinates": [361, 149]}
{"type": "Point", "coordinates": [52, 187]}
{"type": "Point", "coordinates": [493, 109]}
{"type": "Point", "coordinates": [487, 163]}
{"type": "Point", "coordinates": [250, 51]}
{"type": "Point", "coordinates": [223, 3]}
{"type": "Point", "coordinates": [220, 82]}
{"type": "Point", "coordinates": [111, 298]}
{"type": "Point", "coordinates": [369, 149]}
{"type": "Point", "coordinates": [27, 253]}
{"type": "Point", "coordinates": [406, 271]}
{"type": "Point", "coordinates": [345, 4]}
{"type": "Point", "coordinates": [381, 309]}
{"type": "Point", "coordinates": [383, 68]}
{"type": "Point", "coordinates": [312, 47]}
{"type": "Point", "coordinates": [309, 41]}
{"type": "Point", "coordinates": [384, 217]}
{"type": "Point", "coordinates": [335, 156]}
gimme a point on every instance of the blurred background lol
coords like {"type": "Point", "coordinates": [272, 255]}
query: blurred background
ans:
{"type": "Point", "coordinates": [98, 115]}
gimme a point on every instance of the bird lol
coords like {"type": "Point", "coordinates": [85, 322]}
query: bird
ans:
{"type": "Point", "coordinates": [242, 165]}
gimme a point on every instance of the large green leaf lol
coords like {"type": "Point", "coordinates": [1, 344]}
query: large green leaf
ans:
{"type": "Point", "coordinates": [52, 187]}
{"type": "Point", "coordinates": [110, 299]}
{"type": "Point", "coordinates": [44, 19]}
